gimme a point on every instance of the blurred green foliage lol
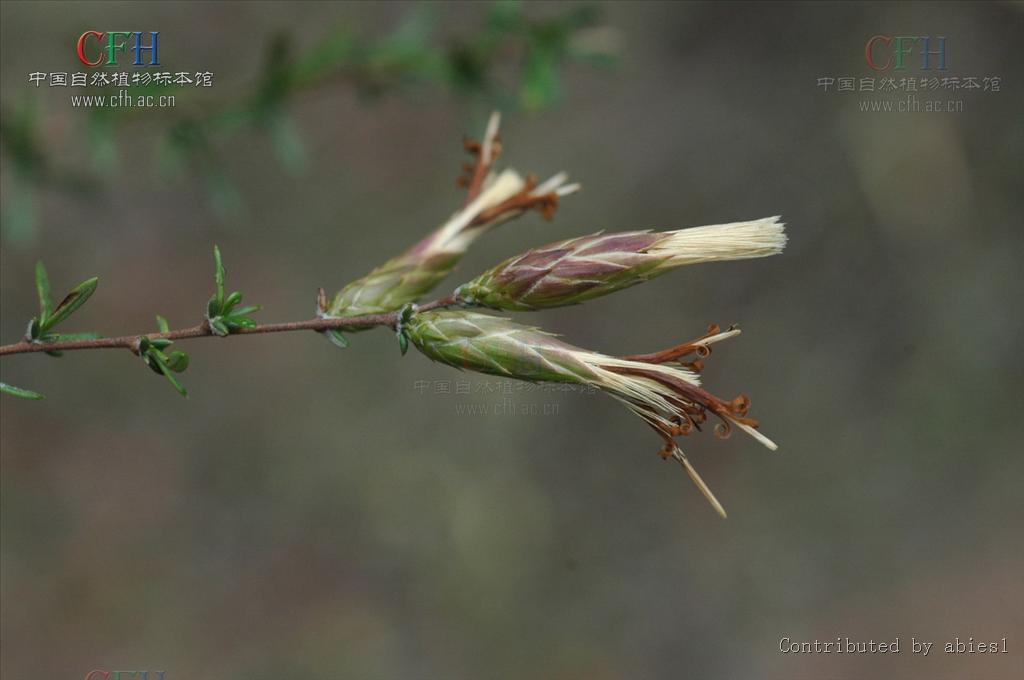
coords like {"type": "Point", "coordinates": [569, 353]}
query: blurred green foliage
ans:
{"type": "Point", "coordinates": [473, 67]}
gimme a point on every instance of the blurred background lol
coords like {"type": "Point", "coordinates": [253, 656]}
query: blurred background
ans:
{"type": "Point", "coordinates": [318, 513]}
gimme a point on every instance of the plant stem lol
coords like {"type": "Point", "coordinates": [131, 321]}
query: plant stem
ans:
{"type": "Point", "coordinates": [202, 330]}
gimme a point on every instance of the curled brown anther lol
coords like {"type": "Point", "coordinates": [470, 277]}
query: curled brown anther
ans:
{"type": "Point", "coordinates": [683, 428]}
{"type": "Point", "coordinates": [740, 405]}
{"type": "Point", "coordinates": [466, 177]}
{"type": "Point", "coordinates": [673, 354]}
{"type": "Point", "coordinates": [668, 450]}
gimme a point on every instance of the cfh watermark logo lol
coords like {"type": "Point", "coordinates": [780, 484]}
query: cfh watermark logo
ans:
{"type": "Point", "coordinates": [109, 58]}
{"type": "Point", "coordinates": [886, 52]}
{"type": "Point", "coordinates": [100, 674]}
{"type": "Point", "coordinates": [101, 48]}
{"type": "Point", "coordinates": [908, 74]}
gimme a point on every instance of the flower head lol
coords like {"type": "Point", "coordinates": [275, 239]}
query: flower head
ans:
{"type": "Point", "coordinates": [660, 389]}
{"type": "Point", "coordinates": [579, 269]}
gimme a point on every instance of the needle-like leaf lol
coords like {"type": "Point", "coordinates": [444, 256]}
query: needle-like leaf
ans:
{"type": "Point", "coordinates": [75, 299]}
{"type": "Point", "coordinates": [19, 392]}
{"type": "Point", "coordinates": [43, 288]}
{"type": "Point", "coordinates": [247, 310]}
{"type": "Point", "coordinates": [218, 277]}
{"type": "Point", "coordinates": [230, 301]}
{"type": "Point", "coordinates": [234, 322]}
{"type": "Point", "coordinates": [219, 327]}
{"type": "Point", "coordinates": [337, 338]}
{"type": "Point", "coordinates": [162, 366]}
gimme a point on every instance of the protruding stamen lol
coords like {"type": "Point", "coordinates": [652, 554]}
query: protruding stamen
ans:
{"type": "Point", "coordinates": [486, 153]}
{"type": "Point", "coordinates": [753, 432]}
{"type": "Point", "coordinates": [529, 197]}
{"type": "Point", "coordinates": [698, 480]}
{"type": "Point", "coordinates": [491, 147]}
{"type": "Point", "coordinates": [701, 347]}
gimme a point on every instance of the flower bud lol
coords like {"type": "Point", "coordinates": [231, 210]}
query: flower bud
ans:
{"type": "Point", "coordinates": [411, 275]}
{"type": "Point", "coordinates": [492, 198]}
{"type": "Point", "coordinates": [580, 269]}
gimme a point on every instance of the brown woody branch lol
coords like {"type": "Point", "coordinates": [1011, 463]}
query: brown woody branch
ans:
{"type": "Point", "coordinates": [202, 330]}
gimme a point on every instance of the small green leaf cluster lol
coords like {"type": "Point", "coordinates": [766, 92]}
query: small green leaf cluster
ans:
{"type": "Point", "coordinates": [153, 352]}
{"type": "Point", "coordinates": [222, 312]}
{"type": "Point", "coordinates": [401, 331]}
{"type": "Point", "coordinates": [40, 328]}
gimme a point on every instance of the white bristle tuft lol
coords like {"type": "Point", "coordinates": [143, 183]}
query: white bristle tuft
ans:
{"type": "Point", "coordinates": [734, 241]}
